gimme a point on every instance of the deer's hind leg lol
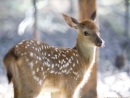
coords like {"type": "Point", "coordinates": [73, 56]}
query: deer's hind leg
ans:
{"type": "Point", "coordinates": [25, 87]}
{"type": "Point", "coordinates": [25, 91]}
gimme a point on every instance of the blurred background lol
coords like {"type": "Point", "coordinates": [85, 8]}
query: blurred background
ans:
{"type": "Point", "coordinates": [20, 20]}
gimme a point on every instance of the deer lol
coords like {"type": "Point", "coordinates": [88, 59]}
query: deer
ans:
{"type": "Point", "coordinates": [34, 66]}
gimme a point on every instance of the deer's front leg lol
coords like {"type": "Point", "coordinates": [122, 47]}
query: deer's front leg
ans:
{"type": "Point", "coordinates": [65, 94]}
{"type": "Point", "coordinates": [56, 95]}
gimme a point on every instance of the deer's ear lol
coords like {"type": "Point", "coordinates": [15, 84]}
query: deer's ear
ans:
{"type": "Point", "coordinates": [72, 22]}
{"type": "Point", "coordinates": [93, 16]}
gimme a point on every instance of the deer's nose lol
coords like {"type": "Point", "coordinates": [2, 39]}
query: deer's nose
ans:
{"type": "Point", "coordinates": [99, 42]}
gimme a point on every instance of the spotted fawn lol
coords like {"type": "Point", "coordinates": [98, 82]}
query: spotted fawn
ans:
{"type": "Point", "coordinates": [34, 66]}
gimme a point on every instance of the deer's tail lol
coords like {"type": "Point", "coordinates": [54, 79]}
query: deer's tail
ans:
{"type": "Point", "coordinates": [9, 62]}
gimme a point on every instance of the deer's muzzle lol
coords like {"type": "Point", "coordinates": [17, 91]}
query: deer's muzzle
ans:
{"type": "Point", "coordinates": [99, 42]}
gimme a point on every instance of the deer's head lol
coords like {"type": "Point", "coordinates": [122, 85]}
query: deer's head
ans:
{"type": "Point", "coordinates": [87, 30]}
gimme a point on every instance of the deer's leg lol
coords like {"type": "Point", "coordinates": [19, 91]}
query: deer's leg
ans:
{"type": "Point", "coordinates": [16, 84]}
{"type": "Point", "coordinates": [28, 94]}
{"type": "Point", "coordinates": [16, 91]}
{"type": "Point", "coordinates": [22, 91]}
{"type": "Point", "coordinates": [25, 87]}
{"type": "Point", "coordinates": [56, 95]}
{"type": "Point", "coordinates": [67, 94]}
{"type": "Point", "coordinates": [61, 95]}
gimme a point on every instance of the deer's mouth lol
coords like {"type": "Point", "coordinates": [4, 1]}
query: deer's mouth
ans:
{"type": "Point", "coordinates": [99, 44]}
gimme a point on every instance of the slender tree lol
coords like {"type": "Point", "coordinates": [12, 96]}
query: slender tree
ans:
{"type": "Point", "coordinates": [35, 20]}
{"type": "Point", "coordinates": [127, 17]}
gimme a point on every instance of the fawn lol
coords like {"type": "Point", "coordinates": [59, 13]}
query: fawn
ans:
{"type": "Point", "coordinates": [34, 66]}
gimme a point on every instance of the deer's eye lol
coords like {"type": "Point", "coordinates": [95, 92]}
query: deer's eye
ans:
{"type": "Point", "coordinates": [86, 33]}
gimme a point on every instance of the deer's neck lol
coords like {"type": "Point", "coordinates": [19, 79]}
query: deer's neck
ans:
{"type": "Point", "coordinates": [86, 51]}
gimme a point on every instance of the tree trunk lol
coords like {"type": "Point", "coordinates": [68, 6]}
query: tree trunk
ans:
{"type": "Point", "coordinates": [35, 32]}
{"type": "Point", "coordinates": [86, 9]}
{"type": "Point", "coordinates": [127, 17]}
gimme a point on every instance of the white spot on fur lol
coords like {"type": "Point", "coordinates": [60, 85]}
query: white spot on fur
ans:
{"type": "Point", "coordinates": [45, 53]}
{"type": "Point", "coordinates": [52, 71]}
{"type": "Point", "coordinates": [31, 65]}
{"type": "Point", "coordinates": [36, 78]}
{"type": "Point", "coordinates": [38, 42]}
{"type": "Point", "coordinates": [40, 82]}
{"type": "Point", "coordinates": [72, 58]}
{"type": "Point", "coordinates": [66, 58]}
{"type": "Point", "coordinates": [31, 54]}
{"type": "Point", "coordinates": [74, 54]}
{"type": "Point", "coordinates": [52, 65]}
{"type": "Point", "coordinates": [67, 51]}
{"type": "Point", "coordinates": [68, 72]}
{"type": "Point", "coordinates": [59, 61]}
{"type": "Point", "coordinates": [28, 45]}
{"type": "Point", "coordinates": [65, 65]}
{"type": "Point", "coordinates": [42, 68]}
{"type": "Point", "coordinates": [40, 59]}
{"type": "Point", "coordinates": [45, 47]}
{"type": "Point", "coordinates": [63, 55]}
{"type": "Point", "coordinates": [61, 67]}
{"type": "Point", "coordinates": [69, 61]}
{"type": "Point", "coordinates": [55, 56]}
{"type": "Point", "coordinates": [33, 72]}
{"type": "Point", "coordinates": [27, 60]}
{"type": "Point", "coordinates": [56, 49]}
{"type": "Point", "coordinates": [42, 47]}
{"type": "Point", "coordinates": [36, 62]}
{"type": "Point", "coordinates": [39, 49]}
{"type": "Point", "coordinates": [37, 69]}
{"type": "Point", "coordinates": [73, 64]}
{"type": "Point", "coordinates": [77, 61]}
